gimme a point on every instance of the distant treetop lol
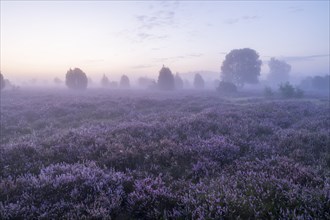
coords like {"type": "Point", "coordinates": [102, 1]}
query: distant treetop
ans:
{"type": "Point", "coordinates": [241, 66]}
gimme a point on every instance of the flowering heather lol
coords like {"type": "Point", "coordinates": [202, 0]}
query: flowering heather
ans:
{"type": "Point", "coordinates": [134, 155]}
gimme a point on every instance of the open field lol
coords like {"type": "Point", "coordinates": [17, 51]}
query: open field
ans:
{"type": "Point", "coordinates": [107, 154]}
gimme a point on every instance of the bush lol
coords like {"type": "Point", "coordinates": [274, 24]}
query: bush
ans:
{"type": "Point", "coordinates": [76, 79]}
{"type": "Point", "coordinates": [288, 91]}
{"type": "Point", "coordinates": [68, 191]}
{"type": "Point", "coordinates": [166, 79]}
{"type": "Point", "coordinates": [227, 87]}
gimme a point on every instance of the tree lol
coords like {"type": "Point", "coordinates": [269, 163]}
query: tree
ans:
{"type": "Point", "coordinates": [105, 81]}
{"type": "Point", "coordinates": [241, 66]}
{"type": "Point", "coordinates": [178, 81]}
{"type": "Point", "coordinates": [278, 70]}
{"type": "Point", "coordinates": [124, 81]}
{"type": "Point", "coordinates": [76, 79]}
{"type": "Point", "coordinates": [166, 79]}
{"type": "Point", "coordinates": [199, 81]}
{"type": "Point", "coordinates": [2, 82]}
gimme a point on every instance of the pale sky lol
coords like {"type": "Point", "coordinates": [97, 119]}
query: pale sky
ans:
{"type": "Point", "coordinates": [46, 38]}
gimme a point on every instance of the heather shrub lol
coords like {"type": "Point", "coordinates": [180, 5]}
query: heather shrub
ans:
{"type": "Point", "coordinates": [20, 159]}
{"type": "Point", "coordinates": [151, 199]}
{"type": "Point", "coordinates": [63, 191]}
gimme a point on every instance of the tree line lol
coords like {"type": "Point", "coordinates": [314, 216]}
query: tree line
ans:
{"type": "Point", "coordinates": [240, 67]}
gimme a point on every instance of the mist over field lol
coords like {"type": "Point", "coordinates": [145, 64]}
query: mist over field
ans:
{"type": "Point", "coordinates": [164, 110]}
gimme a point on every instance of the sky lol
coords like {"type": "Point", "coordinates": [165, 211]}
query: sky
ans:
{"type": "Point", "coordinates": [43, 39]}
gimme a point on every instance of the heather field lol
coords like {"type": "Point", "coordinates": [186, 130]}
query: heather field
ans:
{"type": "Point", "coordinates": [111, 154]}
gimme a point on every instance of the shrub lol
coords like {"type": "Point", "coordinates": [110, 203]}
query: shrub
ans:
{"type": "Point", "coordinates": [166, 79]}
{"type": "Point", "coordinates": [76, 79]}
{"type": "Point", "coordinates": [227, 87]}
{"type": "Point", "coordinates": [68, 191]}
{"type": "Point", "coordinates": [288, 91]}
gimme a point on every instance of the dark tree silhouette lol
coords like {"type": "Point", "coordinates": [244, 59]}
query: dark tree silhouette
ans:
{"type": "Point", "coordinates": [241, 66]}
{"type": "Point", "coordinates": [166, 79]}
{"type": "Point", "coordinates": [178, 81]}
{"type": "Point", "coordinates": [199, 81]}
{"type": "Point", "coordinates": [2, 82]}
{"type": "Point", "coordinates": [76, 79]}
{"type": "Point", "coordinates": [124, 82]}
{"type": "Point", "coordinates": [105, 81]}
{"type": "Point", "coordinates": [278, 71]}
